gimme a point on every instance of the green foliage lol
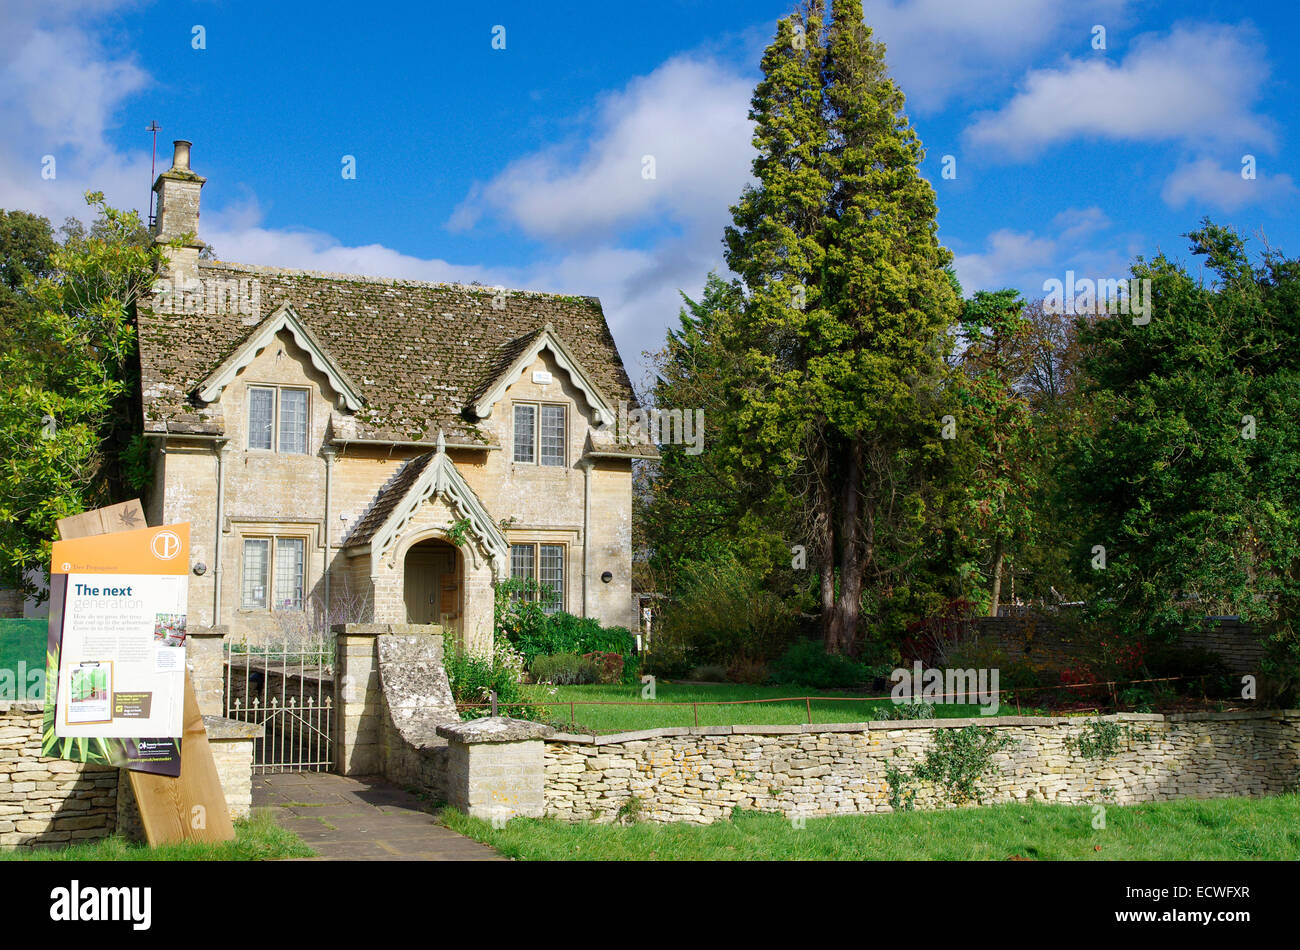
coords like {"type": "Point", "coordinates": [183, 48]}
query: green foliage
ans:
{"type": "Point", "coordinates": [629, 812]}
{"type": "Point", "coordinates": [837, 351]}
{"type": "Point", "coordinates": [565, 669]}
{"type": "Point", "coordinates": [562, 632]}
{"type": "Point", "coordinates": [1193, 483]}
{"type": "Point", "coordinates": [475, 677]}
{"type": "Point", "coordinates": [956, 761]}
{"type": "Point", "coordinates": [722, 613]}
{"type": "Point", "coordinates": [692, 508]}
{"type": "Point", "coordinates": [1101, 739]}
{"type": "Point", "coordinates": [806, 663]}
{"type": "Point", "coordinates": [709, 673]}
{"type": "Point", "coordinates": [70, 415]}
{"type": "Point", "coordinates": [910, 710]}
{"type": "Point", "coordinates": [458, 531]}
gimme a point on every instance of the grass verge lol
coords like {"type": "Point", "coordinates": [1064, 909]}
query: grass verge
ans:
{"type": "Point", "coordinates": [257, 838]}
{"type": "Point", "coordinates": [1266, 829]}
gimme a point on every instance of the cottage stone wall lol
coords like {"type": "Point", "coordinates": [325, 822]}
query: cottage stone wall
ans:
{"type": "Point", "coordinates": [699, 775]}
{"type": "Point", "coordinates": [273, 494]}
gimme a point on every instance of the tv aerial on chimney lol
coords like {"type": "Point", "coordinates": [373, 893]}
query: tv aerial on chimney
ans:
{"type": "Point", "coordinates": [155, 128]}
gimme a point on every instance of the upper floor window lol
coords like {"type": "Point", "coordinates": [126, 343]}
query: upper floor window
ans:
{"type": "Point", "coordinates": [277, 418]}
{"type": "Point", "coordinates": [540, 433]}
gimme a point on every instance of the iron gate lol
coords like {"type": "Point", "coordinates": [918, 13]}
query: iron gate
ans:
{"type": "Point", "coordinates": [289, 690]}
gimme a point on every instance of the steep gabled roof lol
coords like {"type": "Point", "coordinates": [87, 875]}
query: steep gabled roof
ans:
{"type": "Point", "coordinates": [417, 354]}
{"type": "Point", "coordinates": [518, 354]}
{"type": "Point", "coordinates": [283, 317]}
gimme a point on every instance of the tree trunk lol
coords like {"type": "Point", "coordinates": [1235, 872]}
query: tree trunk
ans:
{"type": "Point", "coordinates": [843, 632]}
{"type": "Point", "coordinates": [998, 555]}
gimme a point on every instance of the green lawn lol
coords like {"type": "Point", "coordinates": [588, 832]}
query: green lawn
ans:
{"type": "Point", "coordinates": [831, 706]}
{"type": "Point", "coordinates": [257, 838]}
{"type": "Point", "coordinates": [1221, 829]}
{"type": "Point", "coordinates": [23, 640]}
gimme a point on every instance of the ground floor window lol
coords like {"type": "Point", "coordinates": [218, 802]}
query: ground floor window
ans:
{"type": "Point", "coordinates": [274, 573]}
{"type": "Point", "coordinates": [544, 564]}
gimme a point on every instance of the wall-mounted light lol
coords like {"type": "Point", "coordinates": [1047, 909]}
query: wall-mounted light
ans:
{"type": "Point", "coordinates": [607, 577]}
{"type": "Point", "coordinates": [200, 568]}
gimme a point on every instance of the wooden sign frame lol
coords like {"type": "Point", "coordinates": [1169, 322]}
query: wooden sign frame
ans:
{"type": "Point", "coordinates": [192, 806]}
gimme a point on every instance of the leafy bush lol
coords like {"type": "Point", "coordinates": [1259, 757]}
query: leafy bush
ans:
{"type": "Point", "coordinates": [709, 673]}
{"type": "Point", "coordinates": [631, 670]}
{"type": "Point", "coordinates": [565, 669]}
{"type": "Point", "coordinates": [806, 663]}
{"type": "Point", "coordinates": [722, 614]}
{"type": "Point", "coordinates": [608, 666]}
{"type": "Point", "coordinates": [956, 762]}
{"type": "Point", "coordinates": [1197, 666]}
{"type": "Point", "coordinates": [564, 633]}
{"type": "Point", "coordinates": [474, 677]}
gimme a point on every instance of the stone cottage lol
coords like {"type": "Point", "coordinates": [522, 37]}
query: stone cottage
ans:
{"type": "Point", "coordinates": [354, 448]}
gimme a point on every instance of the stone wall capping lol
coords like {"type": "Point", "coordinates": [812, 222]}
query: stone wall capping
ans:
{"type": "Point", "coordinates": [710, 730]}
{"type": "Point", "coordinates": [572, 738]}
{"type": "Point", "coordinates": [221, 729]}
{"type": "Point", "coordinates": [21, 705]}
{"type": "Point", "coordinates": [494, 729]}
{"type": "Point", "coordinates": [636, 735]}
{"type": "Point", "coordinates": [769, 730]}
{"type": "Point", "coordinates": [811, 727]}
{"type": "Point", "coordinates": [1220, 716]}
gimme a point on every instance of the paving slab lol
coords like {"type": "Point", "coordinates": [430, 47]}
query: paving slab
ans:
{"type": "Point", "coordinates": [345, 818]}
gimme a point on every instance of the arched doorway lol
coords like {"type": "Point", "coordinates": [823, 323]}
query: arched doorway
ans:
{"type": "Point", "coordinates": [432, 583]}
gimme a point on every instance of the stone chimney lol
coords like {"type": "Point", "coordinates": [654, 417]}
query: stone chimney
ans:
{"type": "Point", "coordinates": [178, 213]}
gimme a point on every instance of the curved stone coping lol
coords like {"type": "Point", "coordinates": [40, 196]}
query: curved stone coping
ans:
{"type": "Point", "coordinates": [221, 729]}
{"type": "Point", "coordinates": [887, 725]}
{"type": "Point", "coordinates": [494, 729]}
{"type": "Point", "coordinates": [415, 685]}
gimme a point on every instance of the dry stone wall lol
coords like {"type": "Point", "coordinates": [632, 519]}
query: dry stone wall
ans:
{"type": "Point", "coordinates": [48, 802]}
{"type": "Point", "coordinates": [699, 775]}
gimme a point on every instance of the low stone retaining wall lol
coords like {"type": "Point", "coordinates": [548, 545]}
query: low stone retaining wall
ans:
{"type": "Point", "coordinates": [700, 775]}
{"type": "Point", "coordinates": [48, 802]}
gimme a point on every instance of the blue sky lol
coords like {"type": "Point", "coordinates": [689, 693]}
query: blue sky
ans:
{"type": "Point", "coordinates": [523, 166]}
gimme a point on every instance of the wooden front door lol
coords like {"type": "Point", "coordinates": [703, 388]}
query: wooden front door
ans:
{"type": "Point", "coordinates": [431, 583]}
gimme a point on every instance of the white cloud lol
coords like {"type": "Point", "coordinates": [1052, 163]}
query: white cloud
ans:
{"type": "Point", "coordinates": [1076, 239]}
{"type": "Point", "coordinates": [689, 114]}
{"type": "Point", "coordinates": [940, 49]}
{"type": "Point", "coordinates": [1206, 183]}
{"type": "Point", "coordinates": [1195, 84]}
{"type": "Point", "coordinates": [59, 91]}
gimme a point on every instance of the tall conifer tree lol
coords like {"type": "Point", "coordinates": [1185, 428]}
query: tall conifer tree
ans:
{"type": "Point", "coordinates": [847, 301]}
